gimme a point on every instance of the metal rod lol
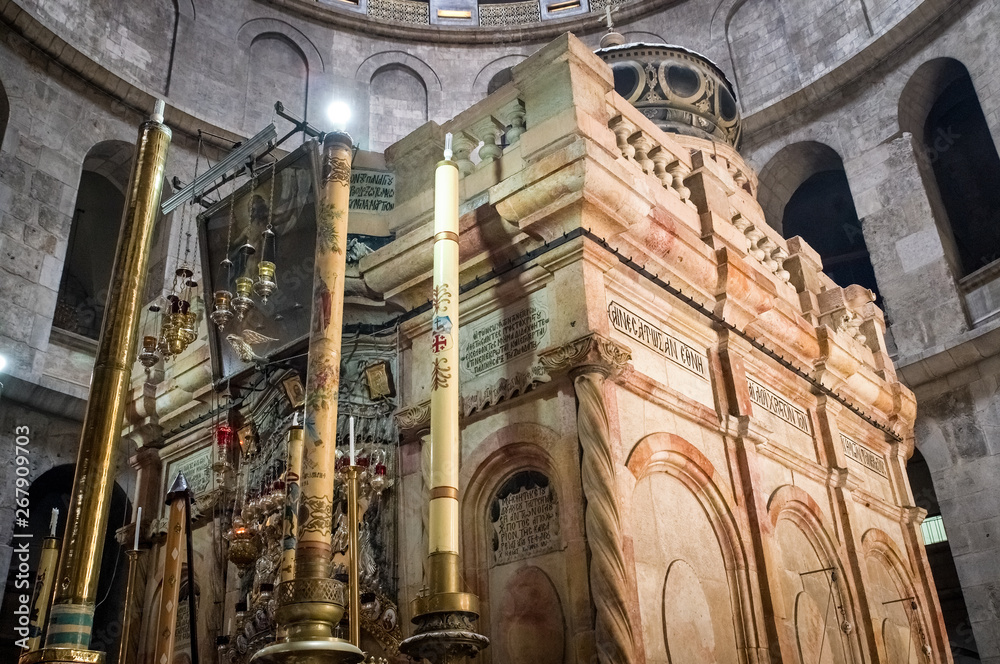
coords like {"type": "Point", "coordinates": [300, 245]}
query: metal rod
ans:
{"type": "Point", "coordinates": [128, 644]}
{"type": "Point", "coordinates": [203, 181]}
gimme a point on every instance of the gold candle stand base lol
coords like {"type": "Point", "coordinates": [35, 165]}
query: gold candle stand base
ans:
{"type": "Point", "coordinates": [309, 609]}
{"type": "Point", "coordinates": [62, 656]}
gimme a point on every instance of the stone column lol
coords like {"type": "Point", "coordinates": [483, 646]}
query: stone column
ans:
{"type": "Point", "coordinates": [590, 361]}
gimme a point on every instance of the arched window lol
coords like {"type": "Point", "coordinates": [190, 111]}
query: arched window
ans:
{"type": "Point", "coordinates": [804, 191]}
{"type": "Point", "coordinates": [958, 160]}
{"type": "Point", "coordinates": [500, 79]}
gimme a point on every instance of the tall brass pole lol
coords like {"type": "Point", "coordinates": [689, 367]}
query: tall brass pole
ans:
{"type": "Point", "coordinates": [311, 604]}
{"type": "Point", "coordinates": [177, 519]}
{"type": "Point", "coordinates": [446, 616]}
{"type": "Point", "coordinates": [71, 619]}
{"type": "Point", "coordinates": [128, 643]}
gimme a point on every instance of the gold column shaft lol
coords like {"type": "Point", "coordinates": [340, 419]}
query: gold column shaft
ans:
{"type": "Point", "coordinates": [128, 647]}
{"type": "Point", "coordinates": [313, 548]}
{"type": "Point", "coordinates": [290, 523]}
{"type": "Point", "coordinates": [310, 603]}
{"type": "Point", "coordinates": [72, 613]}
{"type": "Point", "coordinates": [173, 549]}
{"type": "Point", "coordinates": [44, 581]}
{"type": "Point", "coordinates": [354, 601]}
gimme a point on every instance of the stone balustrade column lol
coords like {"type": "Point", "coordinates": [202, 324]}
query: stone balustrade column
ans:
{"type": "Point", "coordinates": [590, 361]}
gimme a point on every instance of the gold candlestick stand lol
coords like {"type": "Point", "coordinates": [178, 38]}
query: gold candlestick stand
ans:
{"type": "Point", "coordinates": [71, 618]}
{"type": "Point", "coordinates": [445, 617]}
{"type": "Point", "coordinates": [128, 644]}
{"type": "Point", "coordinates": [354, 602]}
{"type": "Point", "coordinates": [311, 604]}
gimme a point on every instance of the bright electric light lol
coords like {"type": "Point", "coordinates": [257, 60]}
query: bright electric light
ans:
{"type": "Point", "coordinates": [3, 362]}
{"type": "Point", "coordinates": [339, 114]}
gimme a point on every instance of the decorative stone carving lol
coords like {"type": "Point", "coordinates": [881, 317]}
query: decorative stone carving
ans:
{"type": "Point", "coordinates": [592, 353]}
{"type": "Point", "coordinates": [414, 419]}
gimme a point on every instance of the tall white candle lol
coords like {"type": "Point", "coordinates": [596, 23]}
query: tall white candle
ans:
{"type": "Point", "coordinates": [351, 432]}
{"type": "Point", "coordinates": [138, 527]}
{"type": "Point", "coordinates": [53, 522]}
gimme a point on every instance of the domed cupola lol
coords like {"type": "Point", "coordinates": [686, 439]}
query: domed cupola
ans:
{"type": "Point", "coordinates": [679, 90]}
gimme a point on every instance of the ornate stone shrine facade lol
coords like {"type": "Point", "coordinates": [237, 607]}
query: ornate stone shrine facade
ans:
{"type": "Point", "coordinates": [681, 441]}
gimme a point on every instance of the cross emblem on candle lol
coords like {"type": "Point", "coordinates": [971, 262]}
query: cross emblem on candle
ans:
{"type": "Point", "coordinates": [439, 343]}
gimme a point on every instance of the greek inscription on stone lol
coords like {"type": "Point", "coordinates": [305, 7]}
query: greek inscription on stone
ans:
{"type": "Point", "coordinates": [197, 469]}
{"type": "Point", "coordinates": [372, 191]}
{"type": "Point", "coordinates": [651, 336]}
{"type": "Point", "coordinates": [492, 342]}
{"type": "Point", "coordinates": [770, 401]}
{"type": "Point", "coordinates": [870, 459]}
{"type": "Point", "coordinates": [527, 525]}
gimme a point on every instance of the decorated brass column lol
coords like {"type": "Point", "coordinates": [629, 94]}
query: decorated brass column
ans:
{"type": "Point", "coordinates": [590, 361]}
{"type": "Point", "coordinates": [166, 625]}
{"type": "Point", "coordinates": [446, 615]}
{"type": "Point", "coordinates": [311, 604]}
{"type": "Point", "coordinates": [72, 614]}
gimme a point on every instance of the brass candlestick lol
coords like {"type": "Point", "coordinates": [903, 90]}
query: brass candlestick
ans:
{"type": "Point", "coordinates": [71, 617]}
{"type": "Point", "coordinates": [354, 580]}
{"type": "Point", "coordinates": [445, 617]}
{"type": "Point", "coordinates": [128, 644]}
{"type": "Point", "coordinates": [311, 604]}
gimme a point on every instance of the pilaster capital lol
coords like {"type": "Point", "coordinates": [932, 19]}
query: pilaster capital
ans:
{"type": "Point", "coordinates": [413, 421]}
{"type": "Point", "coordinates": [593, 353]}
{"type": "Point", "coordinates": [147, 458]}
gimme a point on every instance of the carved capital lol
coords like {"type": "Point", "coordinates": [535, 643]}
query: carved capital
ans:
{"type": "Point", "coordinates": [412, 421]}
{"type": "Point", "coordinates": [147, 458]}
{"type": "Point", "coordinates": [590, 354]}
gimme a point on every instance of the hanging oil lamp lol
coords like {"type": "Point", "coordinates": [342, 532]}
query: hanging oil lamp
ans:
{"type": "Point", "coordinates": [222, 310]}
{"type": "Point", "coordinates": [243, 546]}
{"type": "Point", "coordinates": [148, 357]}
{"type": "Point", "coordinates": [266, 283]}
{"type": "Point", "coordinates": [243, 303]}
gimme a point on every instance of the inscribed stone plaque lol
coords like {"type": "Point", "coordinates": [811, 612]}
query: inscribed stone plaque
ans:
{"type": "Point", "coordinates": [197, 469]}
{"type": "Point", "coordinates": [650, 335]}
{"type": "Point", "coordinates": [870, 459]}
{"type": "Point", "coordinates": [770, 401]}
{"type": "Point", "coordinates": [372, 191]}
{"type": "Point", "coordinates": [525, 518]}
{"type": "Point", "coordinates": [503, 336]}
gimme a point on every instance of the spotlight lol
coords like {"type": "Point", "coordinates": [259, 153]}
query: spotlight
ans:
{"type": "Point", "coordinates": [3, 362]}
{"type": "Point", "coordinates": [339, 114]}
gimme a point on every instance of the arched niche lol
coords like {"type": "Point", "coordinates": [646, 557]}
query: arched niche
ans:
{"type": "Point", "coordinates": [804, 191]}
{"type": "Point", "coordinates": [494, 75]}
{"type": "Point", "coordinates": [53, 489]}
{"type": "Point", "coordinates": [814, 595]}
{"type": "Point", "coordinates": [776, 48]}
{"type": "Point", "coordinates": [958, 162]}
{"type": "Point", "coordinates": [4, 113]}
{"type": "Point", "coordinates": [278, 69]}
{"type": "Point", "coordinates": [93, 240]}
{"type": "Point", "coordinates": [513, 451]}
{"type": "Point", "coordinates": [687, 545]}
{"type": "Point", "coordinates": [397, 105]}
{"type": "Point", "coordinates": [898, 611]}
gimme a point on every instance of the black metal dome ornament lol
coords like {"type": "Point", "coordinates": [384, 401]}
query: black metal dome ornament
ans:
{"type": "Point", "coordinates": [679, 90]}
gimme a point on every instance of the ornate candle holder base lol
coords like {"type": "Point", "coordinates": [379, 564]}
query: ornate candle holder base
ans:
{"type": "Point", "coordinates": [62, 656]}
{"type": "Point", "coordinates": [446, 637]}
{"type": "Point", "coordinates": [315, 651]}
{"type": "Point", "coordinates": [308, 611]}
